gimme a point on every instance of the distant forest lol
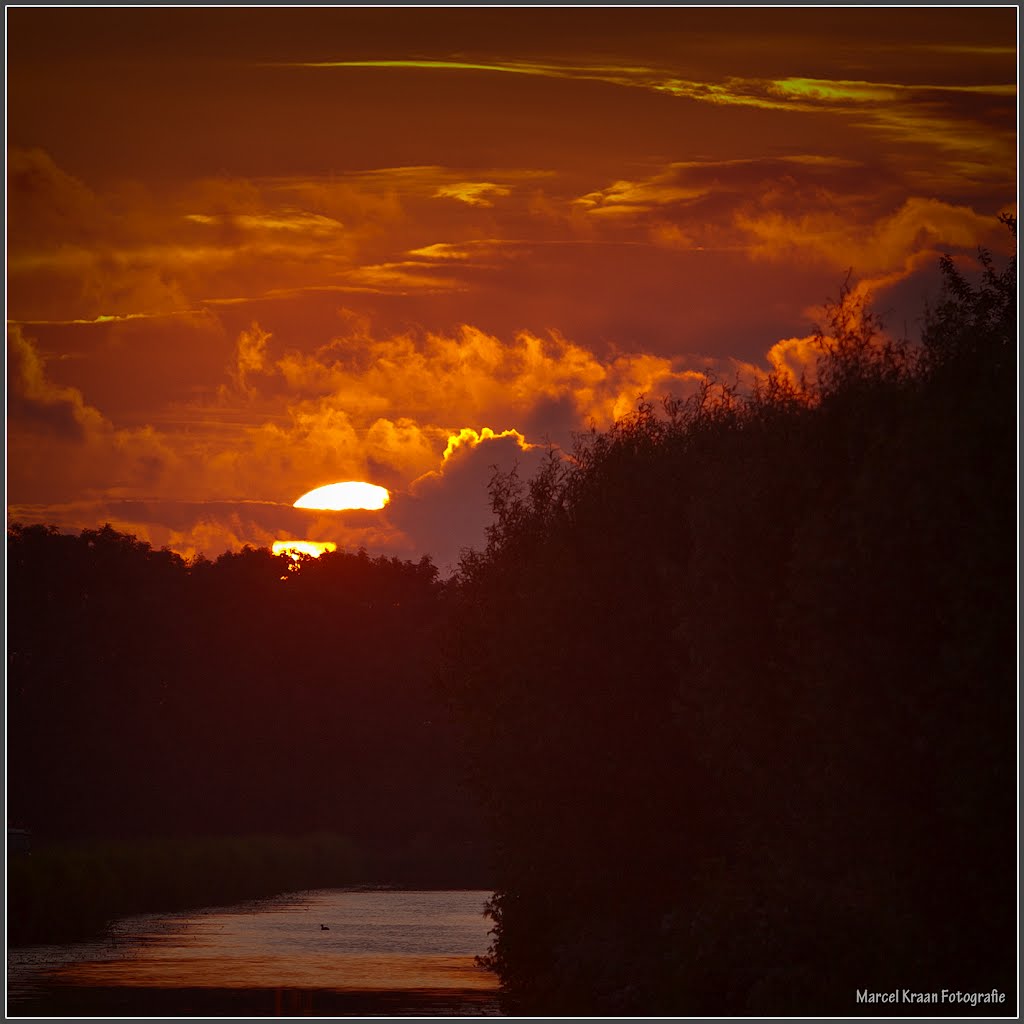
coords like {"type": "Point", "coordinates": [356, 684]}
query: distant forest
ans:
{"type": "Point", "coordinates": [730, 692]}
{"type": "Point", "coordinates": [148, 695]}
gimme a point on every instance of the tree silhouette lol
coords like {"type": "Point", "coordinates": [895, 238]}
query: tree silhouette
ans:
{"type": "Point", "coordinates": [738, 684]}
{"type": "Point", "coordinates": [150, 696]}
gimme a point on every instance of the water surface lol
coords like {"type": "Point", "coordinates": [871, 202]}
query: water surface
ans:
{"type": "Point", "coordinates": [326, 952]}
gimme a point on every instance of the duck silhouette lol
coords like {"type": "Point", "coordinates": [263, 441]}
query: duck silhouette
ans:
{"type": "Point", "coordinates": [324, 928]}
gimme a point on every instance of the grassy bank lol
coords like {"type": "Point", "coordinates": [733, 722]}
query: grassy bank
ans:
{"type": "Point", "coordinates": [71, 890]}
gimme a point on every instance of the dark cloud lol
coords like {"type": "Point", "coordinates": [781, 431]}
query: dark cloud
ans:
{"type": "Point", "coordinates": [57, 418]}
{"type": "Point", "coordinates": [449, 510]}
{"type": "Point", "coordinates": [36, 403]}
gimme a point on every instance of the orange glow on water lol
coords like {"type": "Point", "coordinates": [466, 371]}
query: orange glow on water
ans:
{"type": "Point", "coordinates": [269, 967]}
{"type": "Point", "coordinates": [372, 945]}
{"type": "Point", "coordinates": [345, 495]}
{"type": "Point", "coordinates": [296, 548]}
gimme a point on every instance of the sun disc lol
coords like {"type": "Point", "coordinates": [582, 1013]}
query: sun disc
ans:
{"type": "Point", "coordinates": [294, 549]}
{"type": "Point", "coordinates": [348, 494]}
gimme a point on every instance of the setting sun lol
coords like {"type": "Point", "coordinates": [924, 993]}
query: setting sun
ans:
{"type": "Point", "coordinates": [349, 494]}
{"type": "Point", "coordinates": [294, 549]}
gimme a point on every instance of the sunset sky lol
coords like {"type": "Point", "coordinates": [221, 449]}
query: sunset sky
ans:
{"type": "Point", "coordinates": [252, 252]}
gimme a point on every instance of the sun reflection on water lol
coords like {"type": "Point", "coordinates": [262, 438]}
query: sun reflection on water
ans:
{"type": "Point", "coordinates": [344, 972]}
{"type": "Point", "coordinates": [328, 940]}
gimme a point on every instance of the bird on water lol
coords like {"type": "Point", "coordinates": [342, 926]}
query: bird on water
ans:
{"type": "Point", "coordinates": [324, 928]}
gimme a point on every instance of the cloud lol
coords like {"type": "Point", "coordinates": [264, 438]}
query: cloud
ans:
{"type": "Point", "coordinates": [102, 319]}
{"type": "Point", "coordinates": [870, 246]}
{"type": "Point", "coordinates": [467, 436]}
{"type": "Point", "coordinates": [251, 356]}
{"type": "Point", "coordinates": [473, 193]}
{"type": "Point", "coordinates": [152, 307]}
{"type": "Point", "coordinates": [401, 449]}
{"type": "Point", "coordinates": [302, 222]}
{"type": "Point", "coordinates": [80, 256]}
{"type": "Point", "coordinates": [672, 236]}
{"type": "Point", "coordinates": [694, 204]}
{"type": "Point", "coordinates": [448, 510]}
{"type": "Point", "coordinates": [284, 456]}
{"type": "Point", "coordinates": [925, 112]}
{"type": "Point", "coordinates": [362, 407]}
{"type": "Point", "coordinates": [36, 403]}
{"type": "Point", "coordinates": [632, 197]}
{"type": "Point", "coordinates": [480, 375]}
{"type": "Point", "coordinates": [402, 278]}
{"type": "Point", "coordinates": [59, 443]}
{"type": "Point", "coordinates": [793, 359]}
{"type": "Point", "coordinates": [45, 205]}
{"type": "Point", "coordinates": [792, 93]}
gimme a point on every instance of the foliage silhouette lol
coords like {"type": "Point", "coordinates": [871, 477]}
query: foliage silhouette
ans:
{"type": "Point", "coordinates": [738, 684]}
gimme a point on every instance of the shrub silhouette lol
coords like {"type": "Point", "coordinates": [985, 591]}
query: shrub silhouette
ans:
{"type": "Point", "coordinates": [738, 684]}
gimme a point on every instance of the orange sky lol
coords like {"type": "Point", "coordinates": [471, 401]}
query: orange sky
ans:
{"type": "Point", "coordinates": [255, 251]}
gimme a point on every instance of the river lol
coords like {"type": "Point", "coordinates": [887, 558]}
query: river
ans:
{"type": "Point", "coordinates": [328, 952]}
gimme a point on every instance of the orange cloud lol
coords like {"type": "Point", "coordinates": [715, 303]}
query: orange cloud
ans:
{"type": "Point", "coordinates": [63, 410]}
{"type": "Point", "coordinates": [76, 254]}
{"type": "Point", "coordinates": [253, 442]}
{"type": "Point", "coordinates": [480, 375]}
{"type": "Point", "coordinates": [47, 206]}
{"type": "Point", "coordinates": [795, 359]}
{"type": "Point", "coordinates": [918, 225]}
{"type": "Point", "coordinates": [631, 197]}
{"type": "Point", "coordinates": [402, 278]}
{"type": "Point", "coordinates": [923, 112]}
{"type": "Point", "coordinates": [289, 220]}
{"type": "Point", "coordinates": [251, 355]}
{"type": "Point", "coordinates": [470, 249]}
{"type": "Point", "coordinates": [473, 193]}
{"type": "Point", "coordinates": [672, 236]}
{"type": "Point", "coordinates": [283, 455]}
{"type": "Point", "coordinates": [209, 537]}
{"type": "Point", "coordinates": [58, 442]}
{"type": "Point", "coordinates": [404, 446]}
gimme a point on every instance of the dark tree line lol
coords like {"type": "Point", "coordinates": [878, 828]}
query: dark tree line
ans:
{"type": "Point", "coordinates": [149, 696]}
{"type": "Point", "coordinates": [739, 685]}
